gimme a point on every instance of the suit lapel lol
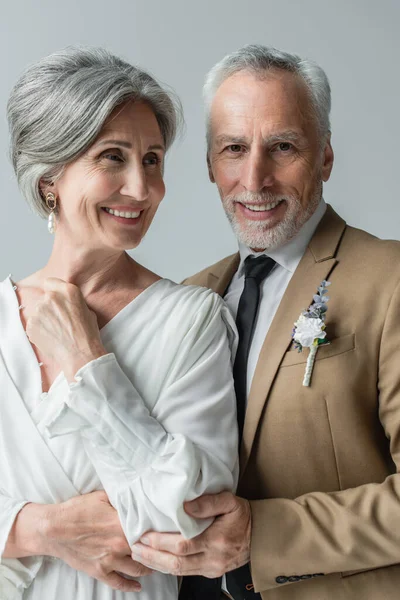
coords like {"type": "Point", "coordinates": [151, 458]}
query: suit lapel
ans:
{"type": "Point", "coordinates": [315, 266]}
{"type": "Point", "coordinates": [219, 279]}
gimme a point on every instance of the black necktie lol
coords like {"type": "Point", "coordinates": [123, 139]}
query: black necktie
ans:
{"type": "Point", "coordinates": [238, 582]}
{"type": "Point", "coordinates": [256, 269]}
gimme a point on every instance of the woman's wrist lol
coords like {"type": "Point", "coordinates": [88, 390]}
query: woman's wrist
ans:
{"type": "Point", "coordinates": [76, 362]}
{"type": "Point", "coordinates": [28, 535]}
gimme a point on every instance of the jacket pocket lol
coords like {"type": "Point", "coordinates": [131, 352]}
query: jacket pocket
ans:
{"type": "Point", "coordinates": [340, 345]}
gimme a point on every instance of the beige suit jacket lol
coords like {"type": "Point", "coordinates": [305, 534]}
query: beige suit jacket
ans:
{"type": "Point", "coordinates": [319, 464]}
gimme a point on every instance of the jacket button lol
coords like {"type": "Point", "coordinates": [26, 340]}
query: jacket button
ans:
{"type": "Point", "coordinates": [293, 578]}
{"type": "Point", "coordinates": [281, 579]}
{"type": "Point", "coordinates": [306, 576]}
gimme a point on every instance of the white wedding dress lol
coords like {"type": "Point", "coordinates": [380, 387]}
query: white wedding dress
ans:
{"type": "Point", "coordinates": [153, 423]}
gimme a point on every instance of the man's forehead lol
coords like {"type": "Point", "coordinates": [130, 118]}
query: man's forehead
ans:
{"type": "Point", "coordinates": [247, 94]}
{"type": "Point", "coordinates": [275, 104]}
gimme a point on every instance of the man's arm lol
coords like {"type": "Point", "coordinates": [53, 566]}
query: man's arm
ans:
{"type": "Point", "coordinates": [84, 532]}
{"type": "Point", "coordinates": [318, 532]}
{"type": "Point", "coordinates": [224, 546]}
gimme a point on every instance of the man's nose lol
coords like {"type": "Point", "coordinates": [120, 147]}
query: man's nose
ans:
{"type": "Point", "coordinates": [257, 172]}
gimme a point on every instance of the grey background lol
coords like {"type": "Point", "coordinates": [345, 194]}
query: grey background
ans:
{"type": "Point", "coordinates": [355, 41]}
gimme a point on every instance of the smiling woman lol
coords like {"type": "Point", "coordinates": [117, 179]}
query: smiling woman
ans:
{"type": "Point", "coordinates": [116, 183]}
{"type": "Point", "coordinates": [111, 377]}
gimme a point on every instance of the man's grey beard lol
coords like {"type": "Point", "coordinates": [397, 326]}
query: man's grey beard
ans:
{"type": "Point", "coordinates": [254, 235]}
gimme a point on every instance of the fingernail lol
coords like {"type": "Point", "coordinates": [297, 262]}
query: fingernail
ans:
{"type": "Point", "coordinates": [193, 506]}
{"type": "Point", "coordinates": [135, 551]}
{"type": "Point", "coordinates": [145, 540]}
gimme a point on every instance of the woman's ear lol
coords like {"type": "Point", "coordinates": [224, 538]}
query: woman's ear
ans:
{"type": "Point", "coordinates": [46, 186]}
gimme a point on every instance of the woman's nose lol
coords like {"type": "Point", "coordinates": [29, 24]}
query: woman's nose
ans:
{"type": "Point", "coordinates": [135, 184]}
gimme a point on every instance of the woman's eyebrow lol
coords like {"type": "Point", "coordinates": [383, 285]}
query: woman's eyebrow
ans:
{"type": "Point", "coordinates": [115, 143]}
{"type": "Point", "coordinates": [128, 144]}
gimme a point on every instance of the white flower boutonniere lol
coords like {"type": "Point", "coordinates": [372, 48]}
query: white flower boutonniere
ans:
{"type": "Point", "coordinates": [309, 329]}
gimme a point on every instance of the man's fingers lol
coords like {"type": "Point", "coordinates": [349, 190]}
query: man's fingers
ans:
{"type": "Point", "coordinates": [211, 505]}
{"type": "Point", "coordinates": [127, 566]}
{"type": "Point", "coordinates": [167, 562]}
{"type": "Point", "coordinates": [172, 542]}
{"type": "Point", "coordinates": [117, 582]}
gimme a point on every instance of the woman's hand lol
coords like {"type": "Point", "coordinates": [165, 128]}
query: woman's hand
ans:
{"type": "Point", "coordinates": [63, 327]}
{"type": "Point", "coordinates": [85, 532]}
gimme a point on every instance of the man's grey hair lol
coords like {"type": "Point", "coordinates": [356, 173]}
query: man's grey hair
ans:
{"type": "Point", "coordinates": [258, 59]}
{"type": "Point", "coordinates": [60, 104]}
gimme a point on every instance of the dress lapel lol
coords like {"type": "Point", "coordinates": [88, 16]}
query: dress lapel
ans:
{"type": "Point", "coordinates": [28, 467]}
{"type": "Point", "coordinates": [315, 266]}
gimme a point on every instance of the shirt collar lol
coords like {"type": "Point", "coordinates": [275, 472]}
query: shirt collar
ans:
{"type": "Point", "coordinates": [290, 254]}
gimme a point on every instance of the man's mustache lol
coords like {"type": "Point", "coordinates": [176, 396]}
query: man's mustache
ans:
{"type": "Point", "coordinates": [258, 198]}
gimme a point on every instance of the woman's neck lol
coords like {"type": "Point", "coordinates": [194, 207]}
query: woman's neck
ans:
{"type": "Point", "coordinates": [91, 270]}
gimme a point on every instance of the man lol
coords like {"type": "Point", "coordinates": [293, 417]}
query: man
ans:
{"type": "Point", "coordinates": [317, 511]}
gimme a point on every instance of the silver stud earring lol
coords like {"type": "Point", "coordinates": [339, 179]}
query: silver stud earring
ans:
{"type": "Point", "coordinates": [51, 202]}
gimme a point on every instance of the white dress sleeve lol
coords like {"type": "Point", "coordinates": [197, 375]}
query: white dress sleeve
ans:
{"type": "Point", "coordinates": [149, 464]}
{"type": "Point", "coordinates": [15, 574]}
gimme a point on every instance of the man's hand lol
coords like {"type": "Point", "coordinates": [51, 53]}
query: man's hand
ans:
{"type": "Point", "coordinates": [224, 546]}
{"type": "Point", "coordinates": [85, 532]}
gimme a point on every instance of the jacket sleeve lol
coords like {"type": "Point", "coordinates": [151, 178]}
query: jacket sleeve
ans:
{"type": "Point", "coordinates": [352, 529]}
{"type": "Point", "coordinates": [150, 463]}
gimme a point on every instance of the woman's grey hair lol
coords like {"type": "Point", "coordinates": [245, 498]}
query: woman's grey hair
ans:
{"type": "Point", "coordinates": [259, 59]}
{"type": "Point", "coordinates": [60, 104]}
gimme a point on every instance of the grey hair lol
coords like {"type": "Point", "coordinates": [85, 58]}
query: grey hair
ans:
{"type": "Point", "coordinates": [259, 59]}
{"type": "Point", "coordinates": [59, 105]}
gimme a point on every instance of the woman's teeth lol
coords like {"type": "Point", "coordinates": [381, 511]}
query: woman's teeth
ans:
{"type": "Point", "coordinates": [124, 215]}
{"type": "Point", "coordinates": [262, 207]}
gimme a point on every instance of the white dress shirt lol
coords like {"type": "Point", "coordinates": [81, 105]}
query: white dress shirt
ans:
{"type": "Point", "coordinates": [287, 258]}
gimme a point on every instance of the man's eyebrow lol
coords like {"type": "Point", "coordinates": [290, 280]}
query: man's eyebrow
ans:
{"type": "Point", "coordinates": [280, 136]}
{"type": "Point", "coordinates": [124, 144]}
{"type": "Point", "coordinates": [284, 136]}
{"type": "Point", "coordinates": [230, 139]}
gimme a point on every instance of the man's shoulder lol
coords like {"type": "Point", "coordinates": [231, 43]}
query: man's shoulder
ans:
{"type": "Point", "coordinates": [202, 278]}
{"type": "Point", "coordinates": [365, 248]}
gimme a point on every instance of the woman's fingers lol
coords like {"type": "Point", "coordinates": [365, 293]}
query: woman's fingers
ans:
{"type": "Point", "coordinates": [127, 566]}
{"type": "Point", "coordinates": [120, 583]}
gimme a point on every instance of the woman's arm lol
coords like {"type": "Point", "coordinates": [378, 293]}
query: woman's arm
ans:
{"type": "Point", "coordinates": [150, 464]}
{"type": "Point", "coordinates": [85, 532]}
{"type": "Point", "coordinates": [27, 536]}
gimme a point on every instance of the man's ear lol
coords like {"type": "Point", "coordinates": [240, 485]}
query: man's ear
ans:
{"type": "Point", "coordinates": [210, 173]}
{"type": "Point", "coordinates": [328, 159]}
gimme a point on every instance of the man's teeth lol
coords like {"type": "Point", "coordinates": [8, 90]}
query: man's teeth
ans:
{"type": "Point", "coordinates": [262, 207]}
{"type": "Point", "coordinates": [125, 215]}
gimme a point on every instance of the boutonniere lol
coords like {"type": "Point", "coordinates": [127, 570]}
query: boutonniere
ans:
{"type": "Point", "coordinates": [309, 329]}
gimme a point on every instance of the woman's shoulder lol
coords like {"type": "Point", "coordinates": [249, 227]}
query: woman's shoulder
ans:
{"type": "Point", "coordinates": [6, 284]}
{"type": "Point", "coordinates": [196, 308]}
{"type": "Point", "coordinates": [194, 297]}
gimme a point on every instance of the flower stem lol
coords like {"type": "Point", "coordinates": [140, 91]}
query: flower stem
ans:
{"type": "Point", "coordinates": [310, 365]}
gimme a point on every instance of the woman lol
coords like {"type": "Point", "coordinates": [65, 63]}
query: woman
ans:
{"type": "Point", "coordinates": [110, 376]}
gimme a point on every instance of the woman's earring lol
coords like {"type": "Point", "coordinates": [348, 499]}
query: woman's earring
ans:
{"type": "Point", "coordinates": [51, 202]}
